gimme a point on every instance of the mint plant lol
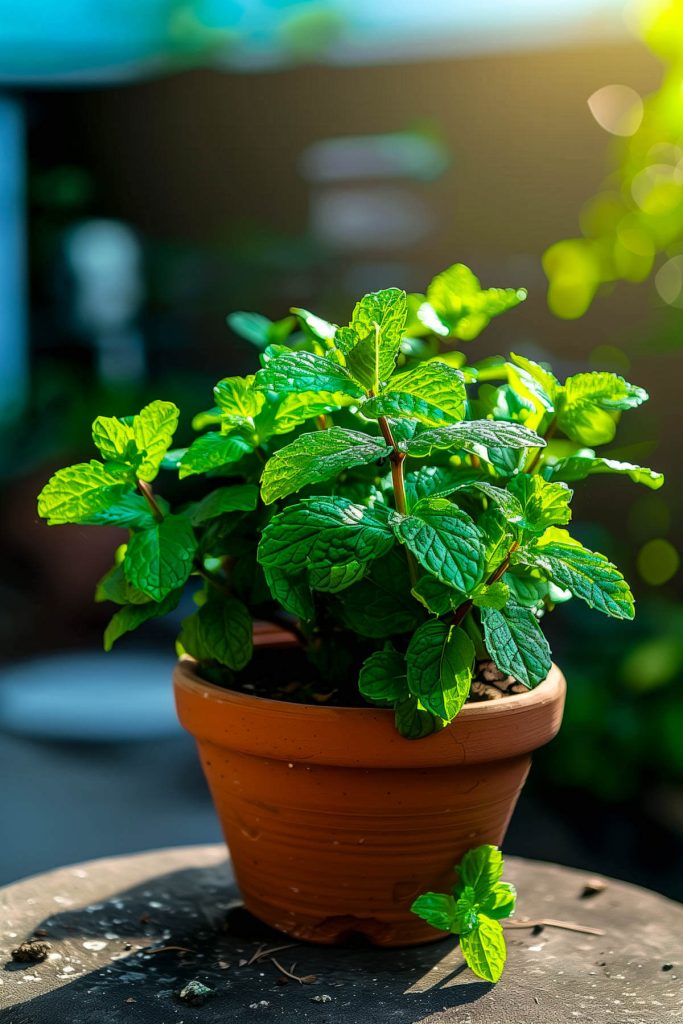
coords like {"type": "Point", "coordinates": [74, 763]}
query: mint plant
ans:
{"type": "Point", "coordinates": [474, 910]}
{"type": "Point", "coordinates": [403, 513]}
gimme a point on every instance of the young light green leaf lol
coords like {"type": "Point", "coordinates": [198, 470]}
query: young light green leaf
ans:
{"type": "Point", "coordinates": [458, 307]}
{"type": "Point", "coordinates": [114, 439]}
{"type": "Point", "coordinates": [221, 630]}
{"type": "Point", "coordinates": [437, 909]}
{"type": "Point", "coordinates": [440, 659]}
{"type": "Point", "coordinates": [481, 869]}
{"type": "Point", "coordinates": [484, 949]}
{"type": "Point", "coordinates": [238, 399]}
{"type": "Point", "coordinates": [413, 722]}
{"type": "Point", "coordinates": [466, 916]}
{"type": "Point", "coordinates": [433, 393]}
{"type": "Point", "coordinates": [76, 493]}
{"type": "Point", "coordinates": [131, 511]}
{"type": "Point", "coordinates": [291, 591]}
{"type": "Point", "coordinates": [495, 595]}
{"type": "Point", "coordinates": [320, 532]}
{"type": "Point", "coordinates": [541, 383]}
{"type": "Point", "coordinates": [238, 498]}
{"type": "Point", "coordinates": [500, 902]}
{"type": "Point", "coordinates": [317, 456]}
{"type": "Point", "coordinates": [382, 680]}
{"type": "Point", "coordinates": [589, 403]}
{"type": "Point", "coordinates": [516, 643]}
{"type": "Point", "coordinates": [543, 504]}
{"type": "Point", "coordinates": [213, 451]}
{"type": "Point", "coordinates": [294, 372]}
{"type": "Point", "coordinates": [153, 430]}
{"type": "Point", "coordinates": [444, 540]}
{"type": "Point", "coordinates": [377, 324]}
{"type": "Point", "coordinates": [586, 463]}
{"type": "Point", "coordinates": [133, 615]}
{"type": "Point", "coordinates": [284, 414]}
{"type": "Point", "coordinates": [587, 574]}
{"type": "Point", "coordinates": [472, 436]}
{"type": "Point", "coordinates": [318, 328]}
{"type": "Point", "coordinates": [159, 559]}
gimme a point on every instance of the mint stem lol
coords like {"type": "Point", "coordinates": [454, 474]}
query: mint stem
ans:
{"type": "Point", "coordinates": [148, 495]}
{"type": "Point", "coordinates": [397, 459]}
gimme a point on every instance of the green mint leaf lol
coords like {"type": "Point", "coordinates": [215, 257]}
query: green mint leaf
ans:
{"type": "Point", "coordinates": [317, 456]}
{"type": "Point", "coordinates": [431, 482]}
{"type": "Point", "coordinates": [334, 578]}
{"type": "Point", "coordinates": [293, 372]}
{"type": "Point", "coordinates": [587, 574]}
{"type": "Point", "coordinates": [484, 949]}
{"type": "Point", "coordinates": [433, 393]}
{"type": "Point", "coordinates": [437, 909]}
{"type": "Point", "coordinates": [114, 439]}
{"type": "Point", "coordinates": [498, 538]}
{"type": "Point", "coordinates": [458, 307]}
{"type": "Point", "coordinates": [238, 399]}
{"type": "Point", "coordinates": [292, 592]}
{"type": "Point", "coordinates": [466, 916]}
{"type": "Point", "coordinates": [380, 605]}
{"type": "Point", "coordinates": [382, 680]}
{"type": "Point", "coordinates": [159, 559]}
{"type": "Point", "coordinates": [153, 430]}
{"type": "Point", "coordinates": [413, 722]}
{"type": "Point", "coordinates": [212, 451]}
{"type": "Point", "coordinates": [282, 415]}
{"type": "Point", "coordinates": [500, 902]}
{"type": "Point", "coordinates": [536, 381]}
{"type": "Point", "coordinates": [481, 869]}
{"type": "Point", "coordinates": [444, 540]}
{"type": "Point", "coordinates": [543, 504]}
{"type": "Point", "coordinates": [472, 436]}
{"type": "Point", "coordinates": [516, 643]}
{"type": "Point", "coordinates": [590, 402]}
{"type": "Point", "coordinates": [317, 328]}
{"type": "Point", "coordinates": [115, 587]}
{"type": "Point", "coordinates": [586, 463]}
{"type": "Point", "coordinates": [76, 493]}
{"type": "Point", "coordinates": [437, 598]}
{"type": "Point", "coordinates": [258, 329]}
{"type": "Point", "coordinates": [377, 324]}
{"type": "Point", "coordinates": [496, 595]}
{"type": "Point", "coordinates": [440, 659]}
{"type": "Point", "coordinates": [221, 630]}
{"type": "Point", "coordinates": [131, 616]}
{"type": "Point", "coordinates": [320, 532]}
{"type": "Point", "coordinates": [209, 418]}
{"type": "Point", "coordinates": [503, 499]}
{"type": "Point", "coordinates": [239, 498]}
{"type": "Point", "coordinates": [131, 511]}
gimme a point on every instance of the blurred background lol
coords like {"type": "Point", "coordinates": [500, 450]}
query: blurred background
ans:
{"type": "Point", "coordinates": [165, 163]}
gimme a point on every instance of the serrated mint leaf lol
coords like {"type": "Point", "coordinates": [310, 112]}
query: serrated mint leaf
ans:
{"type": "Point", "coordinates": [132, 511]}
{"type": "Point", "coordinates": [76, 493]}
{"type": "Point", "coordinates": [153, 430]}
{"type": "Point", "coordinates": [543, 504]}
{"type": "Point", "coordinates": [238, 399]}
{"type": "Point", "coordinates": [315, 326]}
{"type": "Point", "coordinates": [484, 949]}
{"type": "Point", "coordinates": [472, 436]}
{"type": "Point", "coordinates": [239, 498]}
{"type": "Point", "coordinates": [587, 574]}
{"type": "Point", "coordinates": [131, 616]}
{"type": "Point", "coordinates": [437, 598]}
{"type": "Point", "coordinates": [382, 680]}
{"type": "Point", "coordinates": [413, 722]}
{"type": "Point", "coordinates": [294, 372]}
{"type": "Point", "coordinates": [114, 439]}
{"type": "Point", "coordinates": [212, 451]}
{"type": "Point", "coordinates": [500, 902]}
{"type": "Point", "coordinates": [159, 559]}
{"type": "Point", "coordinates": [334, 578]}
{"type": "Point", "coordinates": [532, 381]}
{"type": "Point", "coordinates": [282, 415]}
{"type": "Point", "coordinates": [317, 456]}
{"type": "Point", "coordinates": [495, 595]}
{"type": "Point", "coordinates": [115, 587]}
{"type": "Point", "coordinates": [498, 538]}
{"type": "Point", "coordinates": [433, 393]}
{"type": "Point", "coordinates": [606, 390]}
{"type": "Point", "coordinates": [372, 341]}
{"type": "Point", "coordinates": [586, 463]}
{"type": "Point", "coordinates": [458, 307]}
{"type": "Point", "coordinates": [292, 592]}
{"type": "Point", "coordinates": [466, 916]}
{"type": "Point", "coordinates": [516, 643]}
{"type": "Point", "coordinates": [440, 659]}
{"type": "Point", "coordinates": [444, 540]}
{"type": "Point", "coordinates": [320, 532]}
{"type": "Point", "coordinates": [481, 869]}
{"type": "Point", "coordinates": [431, 482]}
{"type": "Point", "coordinates": [221, 630]}
{"type": "Point", "coordinates": [503, 499]}
{"type": "Point", "coordinates": [437, 909]}
{"type": "Point", "coordinates": [380, 605]}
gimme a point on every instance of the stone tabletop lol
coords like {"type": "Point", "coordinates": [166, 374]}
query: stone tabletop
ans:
{"type": "Point", "coordinates": [127, 934]}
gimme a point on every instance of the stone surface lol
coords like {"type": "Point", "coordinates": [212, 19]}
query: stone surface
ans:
{"type": "Point", "coordinates": [105, 919]}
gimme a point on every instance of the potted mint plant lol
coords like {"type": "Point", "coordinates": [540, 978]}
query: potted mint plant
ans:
{"type": "Point", "coordinates": [401, 518]}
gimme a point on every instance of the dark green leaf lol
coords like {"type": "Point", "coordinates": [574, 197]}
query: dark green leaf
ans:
{"type": "Point", "coordinates": [221, 630]}
{"type": "Point", "coordinates": [132, 510]}
{"type": "Point", "coordinates": [472, 436]}
{"type": "Point", "coordinates": [436, 596]}
{"type": "Point", "coordinates": [131, 616]}
{"type": "Point", "coordinates": [436, 909]}
{"type": "Point", "coordinates": [334, 578]}
{"type": "Point", "coordinates": [444, 540]}
{"type": "Point", "coordinates": [382, 680]}
{"type": "Point", "coordinates": [211, 451]}
{"type": "Point", "coordinates": [413, 722]}
{"type": "Point", "coordinates": [159, 559]}
{"type": "Point", "coordinates": [239, 498]}
{"type": "Point", "coordinates": [293, 372]}
{"type": "Point", "coordinates": [115, 587]}
{"type": "Point", "coordinates": [431, 482]}
{"type": "Point", "coordinates": [516, 643]}
{"type": "Point", "coordinates": [440, 660]}
{"type": "Point", "coordinates": [292, 592]}
{"type": "Point", "coordinates": [380, 605]}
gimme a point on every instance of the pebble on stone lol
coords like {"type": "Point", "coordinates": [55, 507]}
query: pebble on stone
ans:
{"type": "Point", "coordinates": [31, 952]}
{"type": "Point", "coordinates": [195, 993]}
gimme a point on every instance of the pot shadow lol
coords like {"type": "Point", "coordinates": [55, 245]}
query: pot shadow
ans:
{"type": "Point", "coordinates": [126, 957]}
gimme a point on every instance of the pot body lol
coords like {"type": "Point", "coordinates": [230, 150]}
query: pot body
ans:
{"type": "Point", "coordinates": [335, 823]}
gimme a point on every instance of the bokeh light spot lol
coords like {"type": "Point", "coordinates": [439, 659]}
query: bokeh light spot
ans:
{"type": "Point", "coordinates": [669, 282]}
{"type": "Point", "coordinates": [617, 108]}
{"type": "Point", "coordinates": [658, 561]}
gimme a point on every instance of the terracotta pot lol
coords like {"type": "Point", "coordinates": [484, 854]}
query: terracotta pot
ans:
{"type": "Point", "coordinates": [336, 823]}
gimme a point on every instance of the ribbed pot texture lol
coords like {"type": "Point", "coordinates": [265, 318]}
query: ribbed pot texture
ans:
{"type": "Point", "coordinates": [335, 823]}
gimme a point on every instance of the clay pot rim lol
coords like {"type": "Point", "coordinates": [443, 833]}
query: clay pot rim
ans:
{"type": "Point", "coordinates": [551, 689]}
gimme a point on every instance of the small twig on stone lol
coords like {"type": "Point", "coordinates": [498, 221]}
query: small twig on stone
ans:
{"type": "Point", "coordinates": [306, 979]}
{"type": "Point", "coordinates": [167, 949]}
{"type": "Point", "coordinates": [548, 922]}
{"type": "Point", "coordinates": [262, 952]}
